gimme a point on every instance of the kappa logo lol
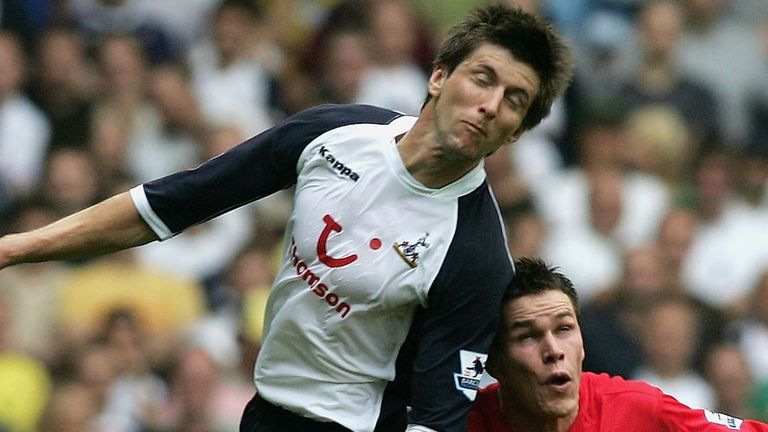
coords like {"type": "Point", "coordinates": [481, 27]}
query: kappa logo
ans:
{"type": "Point", "coordinates": [410, 252]}
{"type": "Point", "coordinates": [338, 165]}
{"type": "Point", "coordinates": [472, 369]}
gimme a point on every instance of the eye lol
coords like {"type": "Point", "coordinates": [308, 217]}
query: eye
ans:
{"type": "Point", "coordinates": [524, 337]}
{"type": "Point", "coordinates": [514, 100]}
{"type": "Point", "coordinates": [483, 78]}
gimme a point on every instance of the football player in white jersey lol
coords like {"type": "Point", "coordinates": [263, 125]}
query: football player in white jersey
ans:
{"type": "Point", "coordinates": [395, 258]}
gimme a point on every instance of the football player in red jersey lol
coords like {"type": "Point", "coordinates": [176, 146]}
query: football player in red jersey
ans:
{"type": "Point", "coordinates": [536, 358]}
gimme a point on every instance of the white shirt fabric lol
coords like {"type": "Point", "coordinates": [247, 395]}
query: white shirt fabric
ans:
{"type": "Point", "coordinates": [564, 204]}
{"type": "Point", "coordinates": [726, 257]}
{"type": "Point", "coordinates": [399, 88]}
{"type": "Point", "coordinates": [24, 135]}
{"type": "Point", "coordinates": [753, 339]}
{"type": "Point", "coordinates": [592, 261]}
{"type": "Point", "coordinates": [233, 95]}
{"type": "Point", "coordinates": [689, 388]}
{"type": "Point", "coordinates": [372, 259]}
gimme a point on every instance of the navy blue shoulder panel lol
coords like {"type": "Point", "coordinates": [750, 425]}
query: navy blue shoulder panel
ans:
{"type": "Point", "coordinates": [254, 169]}
{"type": "Point", "coordinates": [462, 315]}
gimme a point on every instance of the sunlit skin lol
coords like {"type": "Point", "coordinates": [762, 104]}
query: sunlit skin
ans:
{"type": "Point", "coordinates": [541, 364]}
{"type": "Point", "coordinates": [474, 110]}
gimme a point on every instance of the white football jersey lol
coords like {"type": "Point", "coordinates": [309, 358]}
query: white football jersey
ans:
{"type": "Point", "coordinates": [388, 295]}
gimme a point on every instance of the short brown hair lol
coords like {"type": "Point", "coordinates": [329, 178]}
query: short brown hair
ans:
{"type": "Point", "coordinates": [529, 39]}
{"type": "Point", "coordinates": [532, 276]}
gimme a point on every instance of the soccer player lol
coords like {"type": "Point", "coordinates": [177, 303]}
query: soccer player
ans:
{"type": "Point", "coordinates": [394, 260]}
{"type": "Point", "coordinates": [536, 358]}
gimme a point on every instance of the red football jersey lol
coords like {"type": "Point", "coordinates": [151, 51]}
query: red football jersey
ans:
{"type": "Point", "coordinates": [614, 404]}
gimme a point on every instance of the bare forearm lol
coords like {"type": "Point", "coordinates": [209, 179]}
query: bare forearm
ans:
{"type": "Point", "coordinates": [109, 226]}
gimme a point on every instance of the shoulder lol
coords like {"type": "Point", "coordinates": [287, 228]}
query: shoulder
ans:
{"type": "Point", "coordinates": [610, 402]}
{"type": "Point", "coordinates": [339, 115]}
{"type": "Point", "coordinates": [309, 124]}
{"type": "Point", "coordinates": [610, 385]}
{"type": "Point", "coordinates": [619, 390]}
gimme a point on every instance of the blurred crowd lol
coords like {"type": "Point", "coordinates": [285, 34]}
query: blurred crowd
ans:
{"type": "Point", "coordinates": [647, 185]}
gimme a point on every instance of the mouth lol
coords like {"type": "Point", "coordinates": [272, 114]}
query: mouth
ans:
{"type": "Point", "coordinates": [475, 128]}
{"type": "Point", "coordinates": [558, 380]}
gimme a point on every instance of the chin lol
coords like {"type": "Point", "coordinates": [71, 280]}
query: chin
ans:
{"type": "Point", "coordinates": [561, 408]}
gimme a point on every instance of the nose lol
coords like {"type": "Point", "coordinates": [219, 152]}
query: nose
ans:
{"type": "Point", "coordinates": [491, 102]}
{"type": "Point", "coordinates": [552, 352]}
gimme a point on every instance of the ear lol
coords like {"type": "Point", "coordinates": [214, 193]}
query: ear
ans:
{"type": "Point", "coordinates": [436, 80]}
{"type": "Point", "coordinates": [514, 136]}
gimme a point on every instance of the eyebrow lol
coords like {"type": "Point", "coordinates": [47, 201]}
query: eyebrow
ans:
{"type": "Point", "coordinates": [528, 323]}
{"type": "Point", "coordinates": [515, 91]}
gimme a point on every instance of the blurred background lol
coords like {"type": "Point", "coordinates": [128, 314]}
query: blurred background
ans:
{"type": "Point", "coordinates": [647, 185]}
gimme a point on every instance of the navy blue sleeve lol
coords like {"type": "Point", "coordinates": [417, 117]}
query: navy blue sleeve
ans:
{"type": "Point", "coordinates": [254, 169]}
{"type": "Point", "coordinates": [461, 317]}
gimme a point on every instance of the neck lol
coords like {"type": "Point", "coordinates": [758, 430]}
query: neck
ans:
{"type": "Point", "coordinates": [425, 157]}
{"type": "Point", "coordinates": [520, 421]}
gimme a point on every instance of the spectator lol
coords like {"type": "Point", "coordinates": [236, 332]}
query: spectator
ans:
{"type": "Point", "coordinates": [730, 246]}
{"type": "Point", "coordinates": [727, 372]}
{"type": "Point", "coordinates": [716, 49]}
{"type": "Point", "coordinates": [661, 146]}
{"type": "Point", "coordinates": [231, 85]}
{"type": "Point", "coordinates": [676, 234]}
{"type": "Point", "coordinates": [173, 140]}
{"type": "Point", "coordinates": [137, 393]}
{"type": "Point", "coordinates": [564, 199]}
{"type": "Point", "coordinates": [69, 184]}
{"type": "Point", "coordinates": [345, 61]}
{"type": "Point", "coordinates": [669, 341]}
{"type": "Point", "coordinates": [25, 383]}
{"type": "Point", "coordinates": [752, 179]}
{"type": "Point", "coordinates": [753, 332]}
{"type": "Point", "coordinates": [110, 132]}
{"type": "Point", "coordinates": [393, 26]}
{"type": "Point", "coordinates": [123, 66]}
{"type": "Point", "coordinates": [597, 237]}
{"type": "Point", "coordinates": [96, 20]}
{"type": "Point", "coordinates": [24, 129]}
{"type": "Point", "coordinates": [526, 231]}
{"type": "Point", "coordinates": [94, 368]}
{"type": "Point", "coordinates": [32, 293]}
{"type": "Point", "coordinates": [203, 397]}
{"type": "Point", "coordinates": [63, 86]}
{"type": "Point", "coordinates": [658, 81]}
{"type": "Point", "coordinates": [612, 323]}
{"type": "Point", "coordinates": [71, 409]}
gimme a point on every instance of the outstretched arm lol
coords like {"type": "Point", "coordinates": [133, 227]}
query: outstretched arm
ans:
{"type": "Point", "coordinates": [109, 226]}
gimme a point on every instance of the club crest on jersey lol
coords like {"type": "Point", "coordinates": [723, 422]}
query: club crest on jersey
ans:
{"type": "Point", "coordinates": [409, 252]}
{"type": "Point", "coordinates": [472, 369]}
{"type": "Point", "coordinates": [730, 422]}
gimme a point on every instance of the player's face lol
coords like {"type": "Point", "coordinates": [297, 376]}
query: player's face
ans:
{"type": "Point", "coordinates": [544, 353]}
{"type": "Point", "coordinates": [481, 104]}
